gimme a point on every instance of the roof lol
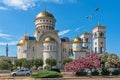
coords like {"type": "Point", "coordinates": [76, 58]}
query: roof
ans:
{"type": "Point", "coordinates": [65, 39]}
{"type": "Point", "coordinates": [32, 38]}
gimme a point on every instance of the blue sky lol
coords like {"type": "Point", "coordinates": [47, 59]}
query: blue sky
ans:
{"type": "Point", "coordinates": [17, 18]}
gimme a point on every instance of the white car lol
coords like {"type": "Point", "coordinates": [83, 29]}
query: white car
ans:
{"type": "Point", "coordinates": [21, 73]}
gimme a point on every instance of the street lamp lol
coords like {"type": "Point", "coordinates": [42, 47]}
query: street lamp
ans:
{"type": "Point", "coordinates": [91, 20]}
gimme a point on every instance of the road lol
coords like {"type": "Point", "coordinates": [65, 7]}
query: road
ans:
{"type": "Point", "coordinates": [6, 76]}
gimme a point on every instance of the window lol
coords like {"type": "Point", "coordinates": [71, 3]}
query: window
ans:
{"type": "Point", "coordinates": [47, 47]}
{"type": "Point", "coordinates": [101, 42]}
{"type": "Point", "coordinates": [33, 49]}
{"type": "Point", "coordinates": [86, 39]}
{"type": "Point", "coordinates": [95, 43]}
{"type": "Point", "coordinates": [50, 47]}
{"type": "Point", "coordinates": [95, 35]}
{"type": "Point", "coordinates": [95, 49]}
{"type": "Point", "coordinates": [64, 49]}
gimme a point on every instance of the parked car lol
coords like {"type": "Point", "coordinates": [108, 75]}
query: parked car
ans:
{"type": "Point", "coordinates": [21, 73]}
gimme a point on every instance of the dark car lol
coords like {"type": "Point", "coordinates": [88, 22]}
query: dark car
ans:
{"type": "Point", "coordinates": [21, 73]}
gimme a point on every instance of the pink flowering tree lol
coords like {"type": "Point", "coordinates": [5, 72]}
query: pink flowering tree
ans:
{"type": "Point", "coordinates": [89, 62]}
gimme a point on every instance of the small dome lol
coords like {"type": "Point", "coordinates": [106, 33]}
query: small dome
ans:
{"type": "Point", "coordinates": [48, 39]}
{"type": "Point", "coordinates": [22, 41]}
{"type": "Point", "coordinates": [77, 39]}
{"type": "Point", "coordinates": [44, 14]}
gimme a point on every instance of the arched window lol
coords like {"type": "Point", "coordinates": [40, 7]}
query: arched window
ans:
{"type": "Point", "coordinates": [33, 49]}
{"type": "Point", "coordinates": [50, 47]}
{"type": "Point", "coordinates": [47, 47]}
{"type": "Point", "coordinates": [101, 50]}
{"type": "Point", "coordinates": [95, 49]}
{"type": "Point", "coordinates": [86, 39]}
{"type": "Point", "coordinates": [95, 35]}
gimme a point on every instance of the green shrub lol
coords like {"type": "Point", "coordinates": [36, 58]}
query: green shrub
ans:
{"type": "Point", "coordinates": [81, 73]}
{"type": "Point", "coordinates": [105, 72]}
{"type": "Point", "coordinates": [95, 73]}
{"type": "Point", "coordinates": [47, 67]}
{"type": "Point", "coordinates": [116, 72]}
{"type": "Point", "coordinates": [47, 74]}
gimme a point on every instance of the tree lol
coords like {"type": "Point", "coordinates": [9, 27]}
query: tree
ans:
{"type": "Point", "coordinates": [5, 64]}
{"type": "Point", "coordinates": [67, 60]}
{"type": "Point", "coordinates": [50, 61]}
{"type": "Point", "coordinates": [29, 64]}
{"type": "Point", "coordinates": [18, 63]}
{"type": "Point", "coordinates": [91, 61]}
{"type": "Point", "coordinates": [109, 60]}
{"type": "Point", "coordinates": [38, 62]}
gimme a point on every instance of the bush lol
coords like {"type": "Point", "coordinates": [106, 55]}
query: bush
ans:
{"type": "Point", "coordinates": [56, 70]}
{"type": "Point", "coordinates": [105, 72]}
{"type": "Point", "coordinates": [116, 72]}
{"type": "Point", "coordinates": [47, 74]}
{"type": "Point", "coordinates": [95, 73]}
{"type": "Point", "coordinates": [47, 67]}
{"type": "Point", "coordinates": [81, 73]}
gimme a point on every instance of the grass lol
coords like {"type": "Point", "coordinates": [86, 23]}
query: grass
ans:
{"type": "Point", "coordinates": [47, 74]}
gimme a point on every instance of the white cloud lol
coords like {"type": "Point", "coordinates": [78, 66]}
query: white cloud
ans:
{"type": "Point", "coordinates": [3, 8]}
{"type": "Point", "coordinates": [63, 32]}
{"type": "Point", "coordinates": [5, 36]}
{"type": "Point", "coordinates": [19, 4]}
{"type": "Point", "coordinates": [26, 4]}
{"type": "Point", "coordinates": [60, 1]}
{"type": "Point", "coordinates": [9, 43]}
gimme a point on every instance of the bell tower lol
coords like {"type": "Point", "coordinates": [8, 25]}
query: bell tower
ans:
{"type": "Point", "coordinates": [99, 40]}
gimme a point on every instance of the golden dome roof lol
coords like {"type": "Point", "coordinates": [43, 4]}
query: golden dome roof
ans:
{"type": "Point", "coordinates": [48, 39]}
{"type": "Point", "coordinates": [77, 39]}
{"type": "Point", "coordinates": [44, 14]}
{"type": "Point", "coordinates": [22, 41]}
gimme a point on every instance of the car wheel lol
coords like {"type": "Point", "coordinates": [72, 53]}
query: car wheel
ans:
{"type": "Point", "coordinates": [27, 74]}
{"type": "Point", "coordinates": [14, 74]}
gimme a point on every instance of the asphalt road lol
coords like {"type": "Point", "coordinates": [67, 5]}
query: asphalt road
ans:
{"type": "Point", "coordinates": [6, 76]}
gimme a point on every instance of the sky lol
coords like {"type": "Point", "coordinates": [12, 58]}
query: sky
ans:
{"type": "Point", "coordinates": [17, 18]}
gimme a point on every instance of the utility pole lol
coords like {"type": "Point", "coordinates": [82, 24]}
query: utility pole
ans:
{"type": "Point", "coordinates": [91, 21]}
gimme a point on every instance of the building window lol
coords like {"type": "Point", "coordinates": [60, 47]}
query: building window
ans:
{"type": "Point", "coordinates": [47, 47]}
{"type": "Point", "coordinates": [86, 39]}
{"type": "Point", "coordinates": [101, 42]}
{"type": "Point", "coordinates": [64, 49]}
{"type": "Point", "coordinates": [33, 49]}
{"type": "Point", "coordinates": [95, 49]}
{"type": "Point", "coordinates": [95, 43]}
{"type": "Point", "coordinates": [95, 35]}
{"type": "Point", "coordinates": [50, 47]}
{"type": "Point", "coordinates": [46, 20]}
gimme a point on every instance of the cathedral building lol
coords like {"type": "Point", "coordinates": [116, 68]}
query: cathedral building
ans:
{"type": "Point", "coordinates": [46, 43]}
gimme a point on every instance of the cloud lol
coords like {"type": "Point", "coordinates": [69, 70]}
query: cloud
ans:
{"type": "Point", "coordinates": [60, 1]}
{"type": "Point", "coordinates": [64, 32]}
{"type": "Point", "coordinates": [19, 4]}
{"type": "Point", "coordinates": [3, 8]}
{"type": "Point", "coordinates": [5, 36]}
{"type": "Point", "coordinates": [26, 4]}
{"type": "Point", "coordinates": [9, 43]}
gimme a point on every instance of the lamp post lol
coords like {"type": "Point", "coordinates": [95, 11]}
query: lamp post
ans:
{"type": "Point", "coordinates": [91, 20]}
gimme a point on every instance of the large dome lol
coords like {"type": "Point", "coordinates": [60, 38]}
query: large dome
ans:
{"type": "Point", "coordinates": [44, 14]}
